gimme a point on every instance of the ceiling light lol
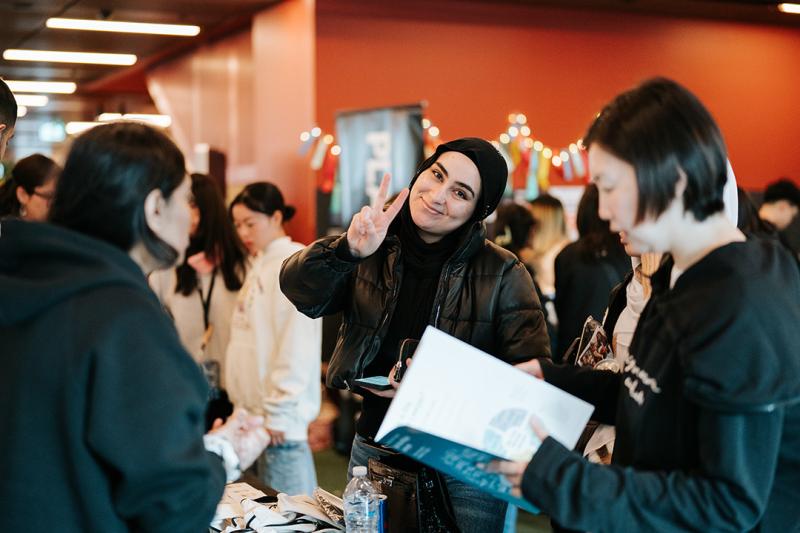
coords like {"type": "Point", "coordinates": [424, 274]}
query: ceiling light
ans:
{"type": "Point", "coordinates": [31, 100]}
{"type": "Point", "coordinates": [59, 87]}
{"type": "Point", "coordinates": [181, 30]}
{"type": "Point", "coordinates": [95, 58]}
{"type": "Point", "coordinates": [789, 8]}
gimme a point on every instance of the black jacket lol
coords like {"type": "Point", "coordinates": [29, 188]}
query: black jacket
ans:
{"type": "Point", "coordinates": [707, 409]}
{"type": "Point", "coordinates": [485, 297]}
{"type": "Point", "coordinates": [102, 408]}
{"type": "Point", "coordinates": [583, 282]}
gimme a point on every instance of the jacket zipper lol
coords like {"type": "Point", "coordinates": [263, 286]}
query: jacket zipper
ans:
{"type": "Point", "coordinates": [392, 303]}
{"type": "Point", "coordinates": [438, 298]}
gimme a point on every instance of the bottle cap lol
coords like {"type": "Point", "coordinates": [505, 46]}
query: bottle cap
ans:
{"type": "Point", "coordinates": [359, 471]}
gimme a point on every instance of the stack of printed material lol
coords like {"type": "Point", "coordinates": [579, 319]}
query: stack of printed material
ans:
{"type": "Point", "coordinates": [243, 508]}
{"type": "Point", "coordinates": [459, 407]}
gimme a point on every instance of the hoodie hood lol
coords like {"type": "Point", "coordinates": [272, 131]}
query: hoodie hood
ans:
{"type": "Point", "coordinates": [43, 264]}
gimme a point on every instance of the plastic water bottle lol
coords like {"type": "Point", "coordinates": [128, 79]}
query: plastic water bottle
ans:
{"type": "Point", "coordinates": [361, 502]}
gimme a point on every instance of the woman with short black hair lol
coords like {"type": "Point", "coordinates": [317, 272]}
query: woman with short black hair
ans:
{"type": "Point", "coordinates": [707, 408]}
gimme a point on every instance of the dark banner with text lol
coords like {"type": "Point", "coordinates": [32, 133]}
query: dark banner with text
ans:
{"type": "Point", "coordinates": [374, 142]}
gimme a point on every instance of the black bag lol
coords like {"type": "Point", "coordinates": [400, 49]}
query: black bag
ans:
{"type": "Point", "coordinates": [218, 404]}
{"type": "Point", "coordinates": [417, 499]}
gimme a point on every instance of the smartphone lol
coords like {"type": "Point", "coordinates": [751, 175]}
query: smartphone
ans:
{"type": "Point", "coordinates": [375, 383]}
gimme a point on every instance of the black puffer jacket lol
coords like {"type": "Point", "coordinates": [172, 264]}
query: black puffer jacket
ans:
{"type": "Point", "coordinates": [485, 298]}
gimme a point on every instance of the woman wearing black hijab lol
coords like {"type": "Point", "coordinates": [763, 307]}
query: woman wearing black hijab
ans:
{"type": "Point", "coordinates": [392, 276]}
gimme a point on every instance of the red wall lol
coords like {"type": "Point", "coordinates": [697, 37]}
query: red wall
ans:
{"type": "Point", "coordinates": [476, 62]}
{"type": "Point", "coordinates": [209, 95]}
{"type": "Point", "coordinates": [283, 51]}
{"type": "Point", "coordinates": [250, 95]}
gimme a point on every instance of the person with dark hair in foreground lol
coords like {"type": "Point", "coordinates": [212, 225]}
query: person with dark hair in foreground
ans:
{"type": "Point", "coordinates": [8, 116]}
{"type": "Point", "coordinates": [707, 408]}
{"type": "Point", "coordinates": [102, 407]}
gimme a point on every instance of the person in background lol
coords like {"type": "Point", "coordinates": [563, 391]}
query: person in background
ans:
{"type": "Point", "coordinates": [781, 203]}
{"type": "Point", "coordinates": [102, 406]}
{"type": "Point", "coordinates": [28, 191]}
{"type": "Point", "coordinates": [780, 208]}
{"type": "Point", "coordinates": [550, 238]}
{"type": "Point", "coordinates": [749, 220]}
{"type": "Point", "coordinates": [515, 229]}
{"type": "Point", "coordinates": [273, 361]}
{"type": "Point", "coordinates": [422, 261]}
{"type": "Point", "coordinates": [201, 292]}
{"type": "Point", "coordinates": [8, 117]}
{"type": "Point", "coordinates": [707, 408]}
{"type": "Point", "coordinates": [586, 271]}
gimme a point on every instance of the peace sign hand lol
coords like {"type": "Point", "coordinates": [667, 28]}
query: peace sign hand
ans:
{"type": "Point", "coordinates": [369, 226]}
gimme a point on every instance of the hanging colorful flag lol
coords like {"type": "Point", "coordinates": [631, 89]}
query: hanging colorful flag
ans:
{"type": "Point", "coordinates": [576, 156]}
{"type": "Point", "coordinates": [543, 172]}
{"type": "Point", "coordinates": [328, 172]}
{"type": "Point", "coordinates": [318, 157]}
{"type": "Point", "coordinates": [520, 174]}
{"type": "Point", "coordinates": [566, 162]}
{"type": "Point", "coordinates": [532, 188]}
{"type": "Point", "coordinates": [308, 141]}
{"type": "Point", "coordinates": [503, 149]}
{"type": "Point", "coordinates": [514, 152]}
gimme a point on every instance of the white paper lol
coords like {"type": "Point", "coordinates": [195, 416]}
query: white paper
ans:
{"type": "Point", "coordinates": [457, 392]}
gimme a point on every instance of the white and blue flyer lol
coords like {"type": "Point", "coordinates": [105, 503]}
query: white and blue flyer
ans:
{"type": "Point", "coordinates": [459, 407]}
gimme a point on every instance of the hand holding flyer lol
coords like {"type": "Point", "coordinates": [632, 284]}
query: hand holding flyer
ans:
{"type": "Point", "coordinates": [476, 414]}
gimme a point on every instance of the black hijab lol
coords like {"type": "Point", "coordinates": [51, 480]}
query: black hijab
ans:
{"type": "Point", "coordinates": [493, 173]}
{"type": "Point", "coordinates": [491, 167]}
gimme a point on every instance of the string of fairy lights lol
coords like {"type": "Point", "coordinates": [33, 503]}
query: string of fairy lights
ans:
{"type": "Point", "coordinates": [532, 165]}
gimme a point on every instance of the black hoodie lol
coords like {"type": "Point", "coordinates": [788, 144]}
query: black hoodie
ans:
{"type": "Point", "coordinates": [707, 408]}
{"type": "Point", "coordinates": [102, 407]}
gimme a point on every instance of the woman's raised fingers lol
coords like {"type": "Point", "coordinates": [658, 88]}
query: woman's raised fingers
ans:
{"type": "Point", "coordinates": [396, 206]}
{"type": "Point", "coordinates": [383, 193]}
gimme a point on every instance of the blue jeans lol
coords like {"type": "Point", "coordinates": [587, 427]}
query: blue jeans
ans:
{"type": "Point", "coordinates": [289, 468]}
{"type": "Point", "coordinates": [474, 510]}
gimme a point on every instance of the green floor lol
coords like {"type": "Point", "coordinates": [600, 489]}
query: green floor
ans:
{"type": "Point", "coordinates": [332, 472]}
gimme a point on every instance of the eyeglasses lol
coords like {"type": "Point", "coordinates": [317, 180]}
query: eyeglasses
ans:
{"type": "Point", "coordinates": [46, 196]}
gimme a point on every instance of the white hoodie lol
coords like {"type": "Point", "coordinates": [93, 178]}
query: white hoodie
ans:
{"type": "Point", "coordinates": [273, 358]}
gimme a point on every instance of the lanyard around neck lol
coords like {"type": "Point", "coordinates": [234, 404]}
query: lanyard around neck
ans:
{"type": "Point", "coordinates": [206, 299]}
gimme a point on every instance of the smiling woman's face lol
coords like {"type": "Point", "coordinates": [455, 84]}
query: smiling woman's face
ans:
{"type": "Point", "coordinates": [444, 196]}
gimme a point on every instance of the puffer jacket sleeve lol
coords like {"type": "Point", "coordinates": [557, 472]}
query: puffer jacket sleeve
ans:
{"type": "Point", "coordinates": [316, 279]}
{"type": "Point", "coordinates": [520, 323]}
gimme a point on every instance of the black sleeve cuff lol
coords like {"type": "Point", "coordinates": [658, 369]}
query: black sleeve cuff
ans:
{"type": "Point", "coordinates": [342, 250]}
